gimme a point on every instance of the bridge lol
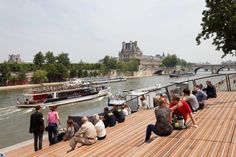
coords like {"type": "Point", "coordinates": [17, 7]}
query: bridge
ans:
{"type": "Point", "coordinates": [213, 68]}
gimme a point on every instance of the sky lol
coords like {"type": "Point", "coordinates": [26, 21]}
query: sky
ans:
{"type": "Point", "coordinates": [90, 29]}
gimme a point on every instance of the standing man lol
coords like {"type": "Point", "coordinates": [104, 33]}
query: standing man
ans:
{"type": "Point", "coordinates": [37, 127]}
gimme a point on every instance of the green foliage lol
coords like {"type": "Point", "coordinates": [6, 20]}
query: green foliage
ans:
{"type": "Point", "coordinates": [50, 58]}
{"type": "Point", "coordinates": [40, 76]}
{"type": "Point", "coordinates": [21, 76]}
{"type": "Point", "coordinates": [85, 73]}
{"type": "Point", "coordinates": [80, 73]}
{"type": "Point", "coordinates": [170, 61]}
{"type": "Point", "coordinates": [182, 62]}
{"type": "Point", "coordinates": [39, 59]}
{"type": "Point", "coordinates": [56, 72]}
{"type": "Point", "coordinates": [219, 23]}
{"type": "Point", "coordinates": [129, 66]}
{"type": "Point", "coordinates": [61, 72]}
{"type": "Point", "coordinates": [73, 72]}
{"type": "Point", "coordinates": [5, 70]}
{"type": "Point", "coordinates": [51, 72]}
{"type": "Point", "coordinates": [109, 62]}
{"type": "Point", "coordinates": [63, 58]}
{"type": "Point", "coordinates": [13, 79]}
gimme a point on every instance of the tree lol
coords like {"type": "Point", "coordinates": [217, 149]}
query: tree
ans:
{"type": "Point", "coordinates": [182, 62]}
{"type": "Point", "coordinates": [61, 72]}
{"type": "Point", "coordinates": [64, 59]}
{"type": "Point", "coordinates": [170, 61]}
{"type": "Point", "coordinates": [5, 72]}
{"type": "Point", "coordinates": [5, 69]}
{"type": "Point", "coordinates": [51, 72]}
{"type": "Point", "coordinates": [80, 73]}
{"type": "Point", "coordinates": [219, 23]}
{"type": "Point", "coordinates": [73, 72]}
{"type": "Point", "coordinates": [12, 80]}
{"type": "Point", "coordinates": [39, 59]}
{"type": "Point", "coordinates": [40, 76]}
{"type": "Point", "coordinates": [50, 58]}
{"type": "Point", "coordinates": [109, 62]}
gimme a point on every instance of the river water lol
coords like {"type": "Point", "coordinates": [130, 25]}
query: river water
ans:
{"type": "Point", "coordinates": [14, 122]}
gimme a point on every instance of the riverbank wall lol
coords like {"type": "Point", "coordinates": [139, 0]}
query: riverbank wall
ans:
{"type": "Point", "coordinates": [29, 86]}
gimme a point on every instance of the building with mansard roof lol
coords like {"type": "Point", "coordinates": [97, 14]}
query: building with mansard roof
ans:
{"type": "Point", "coordinates": [131, 51]}
{"type": "Point", "coordinates": [14, 58]}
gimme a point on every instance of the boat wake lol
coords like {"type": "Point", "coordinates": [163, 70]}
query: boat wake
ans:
{"type": "Point", "coordinates": [29, 110]}
{"type": "Point", "coordinates": [8, 111]}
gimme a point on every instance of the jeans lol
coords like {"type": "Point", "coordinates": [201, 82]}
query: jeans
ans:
{"type": "Point", "coordinates": [52, 133]}
{"type": "Point", "coordinates": [149, 130]}
{"type": "Point", "coordinates": [38, 139]}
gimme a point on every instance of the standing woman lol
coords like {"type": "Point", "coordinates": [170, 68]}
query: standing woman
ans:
{"type": "Point", "coordinates": [53, 121]}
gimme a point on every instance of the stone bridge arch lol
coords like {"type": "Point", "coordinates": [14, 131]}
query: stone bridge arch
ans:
{"type": "Point", "coordinates": [201, 67]}
{"type": "Point", "coordinates": [218, 70]}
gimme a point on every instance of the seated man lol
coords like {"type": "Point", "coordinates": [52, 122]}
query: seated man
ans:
{"type": "Point", "coordinates": [163, 125]}
{"type": "Point", "coordinates": [119, 114]}
{"type": "Point", "coordinates": [191, 100]}
{"type": "Point", "coordinates": [86, 135]}
{"type": "Point", "coordinates": [182, 109]}
{"type": "Point", "coordinates": [109, 119]}
{"type": "Point", "coordinates": [201, 96]}
{"type": "Point", "coordinates": [100, 127]}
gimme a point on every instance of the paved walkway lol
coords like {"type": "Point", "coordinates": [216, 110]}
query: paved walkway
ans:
{"type": "Point", "coordinates": [215, 136]}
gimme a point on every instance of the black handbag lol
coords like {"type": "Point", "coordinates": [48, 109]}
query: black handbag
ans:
{"type": "Point", "coordinates": [46, 128]}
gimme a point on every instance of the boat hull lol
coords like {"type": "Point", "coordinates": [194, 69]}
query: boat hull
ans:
{"type": "Point", "coordinates": [102, 93]}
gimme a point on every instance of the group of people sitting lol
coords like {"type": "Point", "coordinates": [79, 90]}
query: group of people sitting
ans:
{"type": "Point", "coordinates": [174, 115]}
{"type": "Point", "coordinates": [90, 132]}
{"type": "Point", "coordinates": [169, 116]}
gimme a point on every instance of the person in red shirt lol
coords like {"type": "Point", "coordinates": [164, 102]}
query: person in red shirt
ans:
{"type": "Point", "coordinates": [182, 109]}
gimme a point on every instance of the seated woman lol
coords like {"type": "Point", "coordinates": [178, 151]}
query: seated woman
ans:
{"type": "Point", "coordinates": [100, 127]}
{"type": "Point", "coordinates": [181, 108]}
{"type": "Point", "coordinates": [109, 119]}
{"type": "Point", "coordinates": [163, 125]}
{"type": "Point", "coordinates": [143, 101]}
{"type": "Point", "coordinates": [210, 90]}
{"type": "Point", "coordinates": [68, 132]}
{"type": "Point", "coordinates": [126, 109]}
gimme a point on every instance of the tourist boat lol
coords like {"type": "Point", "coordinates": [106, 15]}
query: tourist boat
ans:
{"type": "Point", "coordinates": [131, 97]}
{"type": "Point", "coordinates": [102, 80]}
{"type": "Point", "coordinates": [61, 95]}
{"type": "Point", "coordinates": [181, 74]}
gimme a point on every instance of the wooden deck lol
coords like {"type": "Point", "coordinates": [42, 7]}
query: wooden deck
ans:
{"type": "Point", "coordinates": [215, 136]}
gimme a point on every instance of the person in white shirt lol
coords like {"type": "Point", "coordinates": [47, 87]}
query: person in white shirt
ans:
{"type": "Point", "coordinates": [100, 127]}
{"type": "Point", "coordinates": [191, 100]}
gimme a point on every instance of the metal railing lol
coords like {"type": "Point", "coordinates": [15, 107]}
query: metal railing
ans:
{"type": "Point", "coordinates": [223, 82]}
